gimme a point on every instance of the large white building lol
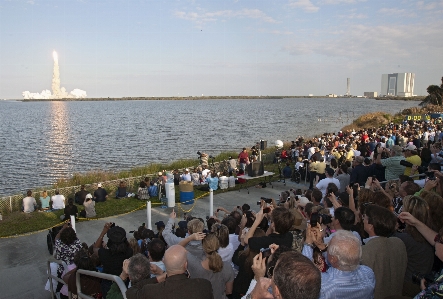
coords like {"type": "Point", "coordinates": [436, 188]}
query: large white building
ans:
{"type": "Point", "coordinates": [397, 84]}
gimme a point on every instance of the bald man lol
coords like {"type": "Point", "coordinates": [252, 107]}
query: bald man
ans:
{"type": "Point", "coordinates": [177, 284]}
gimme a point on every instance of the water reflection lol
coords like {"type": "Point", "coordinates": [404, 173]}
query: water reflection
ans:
{"type": "Point", "coordinates": [59, 147]}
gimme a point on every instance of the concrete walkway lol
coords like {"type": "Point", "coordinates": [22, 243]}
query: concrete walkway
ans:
{"type": "Point", "coordinates": [23, 259]}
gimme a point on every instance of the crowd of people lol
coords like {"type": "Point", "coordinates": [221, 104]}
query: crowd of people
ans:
{"type": "Point", "coordinates": [370, 225]}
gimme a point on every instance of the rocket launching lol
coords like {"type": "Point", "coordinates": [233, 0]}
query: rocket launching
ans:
{"type": "Point", "coordinates": [57, 92]}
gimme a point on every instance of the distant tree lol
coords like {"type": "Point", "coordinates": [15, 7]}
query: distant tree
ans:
{"type": "Point", "coordinates": [435, 95]}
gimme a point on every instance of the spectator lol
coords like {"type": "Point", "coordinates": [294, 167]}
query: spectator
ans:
{"type": "Point", "coordinates": [29, 203]}
{"type": "Point", "coordinates": [212, 267]}
{"type": "Point", "coordinates": [359, 173]}
{"type": "Point", "coordinates": [323, 184]}
{"type": "Point", "coordinates": [341, 174]}
{"type": "Point", "coordinates": [232, 224]}
{"type": "Point", "coordinates": [393, 169]}
{"type": "Point", "coordinates": [294, 276]}
{"type": "Point", "coordinates": [70, 210]}
{"type": "Point", "coordinates": [431, 290]}
{"type": "Point", "coordinates": [344, 219]}
{"type": "Point", "coordinates": [226, 250]}
{"type": "Point", "coordinates": [278, 233]}
{"type": "Point", "coordinates": [100, 194]}
{"type": "Point", "coordinates": [243, 159]}
{"type": "Point", "coordinates": [176, 284]}
{"type": "Point", "coordinates": [58, 201]}
{"type": "Point", "coordinates": [66, 246]}
{"type": "Point", "coordinates": [420, 253]}
{"type": "Point", "coordinates": [193, 226]}
{"type": "Point", "coordinates": [156, 249]}
{"type": "Point", "coordinates": [81, 195]}
{"type": "Point", "coordinates": [345, 278]}
{"type": "Point", "coordinates": [411, 156]}
{"type": "Point", "coordinates": [121, 190]}
{"type": "Point", "coordinates": [112, 257]}
{"type": "Point", "coordinates": [89, 211]}
{"type": "Point", "coordinates": [153, 189]}
{"type": "Point", "coordinates": [384, 254]}
{"type": "Point", "coordinates": [406, 188]}
{"type": "Point", "coordinates": [195, 177]}
{"type": "Point", "coordinates": [186, 176]}
{"type": "Point", "coordinates": [44, 200]}
{"type": "Point", "coordinates": [287, 171]}
{"type": "Point", "coordinates": [143, 191]}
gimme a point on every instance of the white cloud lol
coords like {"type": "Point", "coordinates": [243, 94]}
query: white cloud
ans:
{"type": "Point", "coordinates": [396, 12]}
{"type": "Point", "coordinates": [306, 5]}
{"type": "Point", "coordinates": [354, 16]}
{"type": "Point", "coordinates": [334, 2]}
{"type": "Point", "coordinates": [204, 17]}
{"type": "Point", "coordinates": [430, 5]}
{"type": "Point", "coordinates": [377, 43]}
{"type": "Point", "coordinates": [32, 2]}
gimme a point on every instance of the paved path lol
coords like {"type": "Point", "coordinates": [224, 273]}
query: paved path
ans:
{"type": "Point", "coordinates": [23, 259]}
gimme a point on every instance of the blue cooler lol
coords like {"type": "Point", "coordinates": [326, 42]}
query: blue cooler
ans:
{"type": "Point", "coordinates": [187, 197]}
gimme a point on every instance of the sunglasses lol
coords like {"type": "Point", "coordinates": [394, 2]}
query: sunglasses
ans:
{"type": "Point", "coordinates": [270, 271]}
{"type": "Point", "coordinates": [438, 239]}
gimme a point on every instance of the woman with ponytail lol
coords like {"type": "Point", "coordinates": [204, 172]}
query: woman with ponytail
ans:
{"type": "Point", "coordinates": [212, 267]}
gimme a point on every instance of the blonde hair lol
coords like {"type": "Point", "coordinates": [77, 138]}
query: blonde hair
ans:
{"type": "Point", "coordinates": [418, 208]}
{"type": "Point", "coordinates": [195, 226]}
{"type": "Point", "coordinates": [210, 246]}
{"type": "Point", "coordinates": [134, 245]}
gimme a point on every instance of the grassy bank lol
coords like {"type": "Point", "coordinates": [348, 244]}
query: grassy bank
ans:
{"type": "Point", "coordinates": [377, 119]}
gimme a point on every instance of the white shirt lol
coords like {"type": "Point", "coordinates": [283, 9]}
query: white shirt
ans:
{"type": "Point", "coordinates": [58, 202]}
{"type": "Point", "coordinates": [323, 184]}
{"type": "Point", "coordinates": [233, 239]}
{"type": "Point", "coordinates": [29, 204]}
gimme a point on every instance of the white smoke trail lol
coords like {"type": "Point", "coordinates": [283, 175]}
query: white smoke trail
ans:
{"type": "Point", "coordinates": [57, 92]}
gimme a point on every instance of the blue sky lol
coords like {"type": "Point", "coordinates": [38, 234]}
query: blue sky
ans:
{"type": "Point", "coordinates": [118, 48]}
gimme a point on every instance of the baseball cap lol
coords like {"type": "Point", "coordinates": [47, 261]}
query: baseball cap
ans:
{"type": "Point", "coordinates": [183, 225]}
{"type": "Point", "coordinates": [302, 201]}
{"type": "Point", "coordinates": [187, 169]}
{"type": "Point", "coordinates": [88, 195]}
{"type": "Point", "coordinates": [160, 224]}
{"type": "Point", "coordinates": [99, 185]}
{"type": "Point", "coordinates": [160, 173]}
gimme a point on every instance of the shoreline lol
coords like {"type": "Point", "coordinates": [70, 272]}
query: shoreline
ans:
{"type": "Point", "coordinates": [196, 98]}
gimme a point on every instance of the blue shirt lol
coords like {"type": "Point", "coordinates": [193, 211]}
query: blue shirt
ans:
{"type": "Point", "coordinates": [153, 191]}
{"type": "Point", "coordinates": [357, 284]}
{"type": "Point", "coordinates": [213, 183]}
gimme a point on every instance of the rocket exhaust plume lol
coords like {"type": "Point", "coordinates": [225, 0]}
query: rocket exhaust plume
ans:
{"type": "Point", "coordinates": [56, 77]}
{"type": "Point", "coordinates": [57, 91]}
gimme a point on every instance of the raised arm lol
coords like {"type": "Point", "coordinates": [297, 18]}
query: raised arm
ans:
{"type": "Point", "coordinates": [258, 218]}
{"type": "Point", "coordinates": [426, 232]}
{"type": "Point", "coordinates": [193, 237]}
{"type": "Point", "coordinates": [98, 243]}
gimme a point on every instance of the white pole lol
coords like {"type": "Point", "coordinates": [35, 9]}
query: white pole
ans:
{"type": "Point", "coordinates": [148, 215]}
{"type": "Point", "coordinates": [211, 202]}
{"type": "Point", "coordinates": [259, 152]}
{"type": "Point", "coordinates": [73, 222]}
{"type": "Point", "coordinates": [10, 203]}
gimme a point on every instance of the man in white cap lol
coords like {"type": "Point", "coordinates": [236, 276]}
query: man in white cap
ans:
{"type": "Point", "coordinates": [186, 176]}
{"type": "Point", "coordinates": [411, 156]}
{"type": "Point", "coordinates": [100, 194]}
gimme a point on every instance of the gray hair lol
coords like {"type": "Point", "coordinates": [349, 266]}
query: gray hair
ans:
{"type": "Point", "coordinates": [139, 268]}
{"type": "Point", "coordinates": [347, 249]}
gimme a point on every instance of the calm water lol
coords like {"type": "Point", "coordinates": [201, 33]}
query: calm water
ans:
{"type": "Point", "coordinates": [43, 141]}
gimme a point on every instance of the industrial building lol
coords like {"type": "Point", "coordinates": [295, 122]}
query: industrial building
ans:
{"type": "Point", "coordinates": [397, 84]}
{"type": "Point", "coordinates": [370, 94]}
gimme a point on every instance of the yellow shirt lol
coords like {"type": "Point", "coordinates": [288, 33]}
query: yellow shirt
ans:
{"type": "Point", "coordinates": [415, 160]}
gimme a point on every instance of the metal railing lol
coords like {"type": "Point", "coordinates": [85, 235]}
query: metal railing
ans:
{"type": "Point", "coordinates": [114, 278]}
{"type": "Point", "coordinates": [52, 277]}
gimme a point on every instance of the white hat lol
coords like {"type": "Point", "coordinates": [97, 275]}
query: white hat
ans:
{"type": "Point", "coordinates": [302, 201]}
{"type": "Point", "coordinates": [160, 173]}
{"type": "Point", "coordinates": [187, 169]}
{"type": "Point", "coordinates": [88, 195]}
{"type": "Point", "coordinates": [99, 185]}
{"type": "Point", "coordinates": [410, 147]}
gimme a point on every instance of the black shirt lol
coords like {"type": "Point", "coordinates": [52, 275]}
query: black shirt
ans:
{"type": "Point", "coordinates": [80, 196]}
{"type": "Point", "coordinates": [264, 242]}
{"type": "Point", "coordinates": [113, 263]}
{"type": "Point", "coordinates": [100, 195]}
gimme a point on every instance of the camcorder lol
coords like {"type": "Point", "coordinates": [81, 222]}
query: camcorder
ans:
{"type": "Point", "coordinates": [417, 277]}
{"type": "Point", "coordinates": [265, 252]}
{"type": "Point", "coordinates": [265, 199]}
{"type": "Point", "coordinates": [320, 218]}
{"type": "Point", "coordinates": [421, 169]}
